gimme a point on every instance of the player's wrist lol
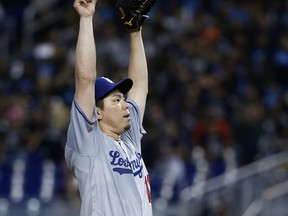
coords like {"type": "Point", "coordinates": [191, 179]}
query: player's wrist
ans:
{"type": "Point", "coordinates": [86, 20]}
{"type": "Point", "coordinates": [135, 34]}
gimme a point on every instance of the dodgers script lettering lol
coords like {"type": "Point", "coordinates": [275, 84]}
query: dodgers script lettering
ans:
{"type": "Point", "coordinates": [124, 166]}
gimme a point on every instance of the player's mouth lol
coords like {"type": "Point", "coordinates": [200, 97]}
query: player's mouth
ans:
{"type": "Point", "coordinates": [127, 116]}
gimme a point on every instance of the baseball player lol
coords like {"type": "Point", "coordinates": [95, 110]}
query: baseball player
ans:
{"type": "Point", "coordinates": [103, 148]}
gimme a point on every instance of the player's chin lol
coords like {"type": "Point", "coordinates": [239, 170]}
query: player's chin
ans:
{"type": "Point", "coordinates": [127, 127]}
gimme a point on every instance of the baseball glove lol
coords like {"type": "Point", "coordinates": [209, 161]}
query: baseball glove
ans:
{"type": "Point", "coordinates": [134, 12]}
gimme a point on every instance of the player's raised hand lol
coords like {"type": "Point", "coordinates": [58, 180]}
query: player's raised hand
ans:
{"type": "Point", "coordinates": [85, 8]}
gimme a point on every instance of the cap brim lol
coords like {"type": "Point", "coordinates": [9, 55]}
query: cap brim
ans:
{"type": "Point", "coordinates": [124, 85]}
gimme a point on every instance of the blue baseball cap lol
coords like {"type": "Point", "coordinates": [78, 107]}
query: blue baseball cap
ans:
{"type": "Point", "coordinates": [103, 86]}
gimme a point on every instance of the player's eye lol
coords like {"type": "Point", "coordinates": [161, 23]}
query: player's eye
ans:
{"type": "Point", "coordinates": [117, 99]}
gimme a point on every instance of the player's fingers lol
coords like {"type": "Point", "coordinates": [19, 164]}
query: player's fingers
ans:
{"type": "Point", "coordinates": [94, 1]}
{"type": "Point", "coordinates": [91, 1]}
{"type": "Point", "coordinates": [79, 3]}
{"type": "Point", "coordinates": [84, 3]}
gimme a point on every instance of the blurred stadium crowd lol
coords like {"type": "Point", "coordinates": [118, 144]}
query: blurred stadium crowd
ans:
{"type": "Point", "coordinates": [218, 96]}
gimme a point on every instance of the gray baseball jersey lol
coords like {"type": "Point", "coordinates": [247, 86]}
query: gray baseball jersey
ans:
{"type": "Point", "coordinates": [112, 177]}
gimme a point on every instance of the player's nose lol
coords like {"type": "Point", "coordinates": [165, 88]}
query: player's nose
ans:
{"type": "Point", "coordinates": [126, 105]}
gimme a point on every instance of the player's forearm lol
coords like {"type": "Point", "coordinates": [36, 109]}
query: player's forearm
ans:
{"type": "Point", "coordinates": [138, 71]}
{"type": "Point", "coordinates": [86, 51]}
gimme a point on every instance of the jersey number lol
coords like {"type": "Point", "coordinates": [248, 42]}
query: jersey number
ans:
{"type": "Point", "coordinates": [148, 190]}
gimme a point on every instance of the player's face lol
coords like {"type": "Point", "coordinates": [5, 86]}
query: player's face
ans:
{"type": "Point", "coordinates": [115, 114]}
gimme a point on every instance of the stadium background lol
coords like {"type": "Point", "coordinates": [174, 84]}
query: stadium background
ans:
{"type": "Point", "coordinates": [217, 103]}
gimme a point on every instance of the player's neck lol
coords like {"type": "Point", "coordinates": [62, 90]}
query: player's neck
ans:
{"type": "Point", "coordinates": [117, 139]}
{"type": "Point", "coordinates": [114, 136]}
{"type": "Point", "coordinates": [109, 132]}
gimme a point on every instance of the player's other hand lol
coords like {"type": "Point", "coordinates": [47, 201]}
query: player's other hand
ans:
{"type": "Point", "coordinates": [85, 8]}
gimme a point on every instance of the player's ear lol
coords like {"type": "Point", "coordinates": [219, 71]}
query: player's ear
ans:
{"type": "Point", "coordinates": [98, 113]}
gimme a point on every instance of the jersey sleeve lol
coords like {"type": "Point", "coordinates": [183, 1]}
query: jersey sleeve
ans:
{"type": "Point", "coordinates": [136, 131]}
{"type": "Point", "coordinates": [81, 131]}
